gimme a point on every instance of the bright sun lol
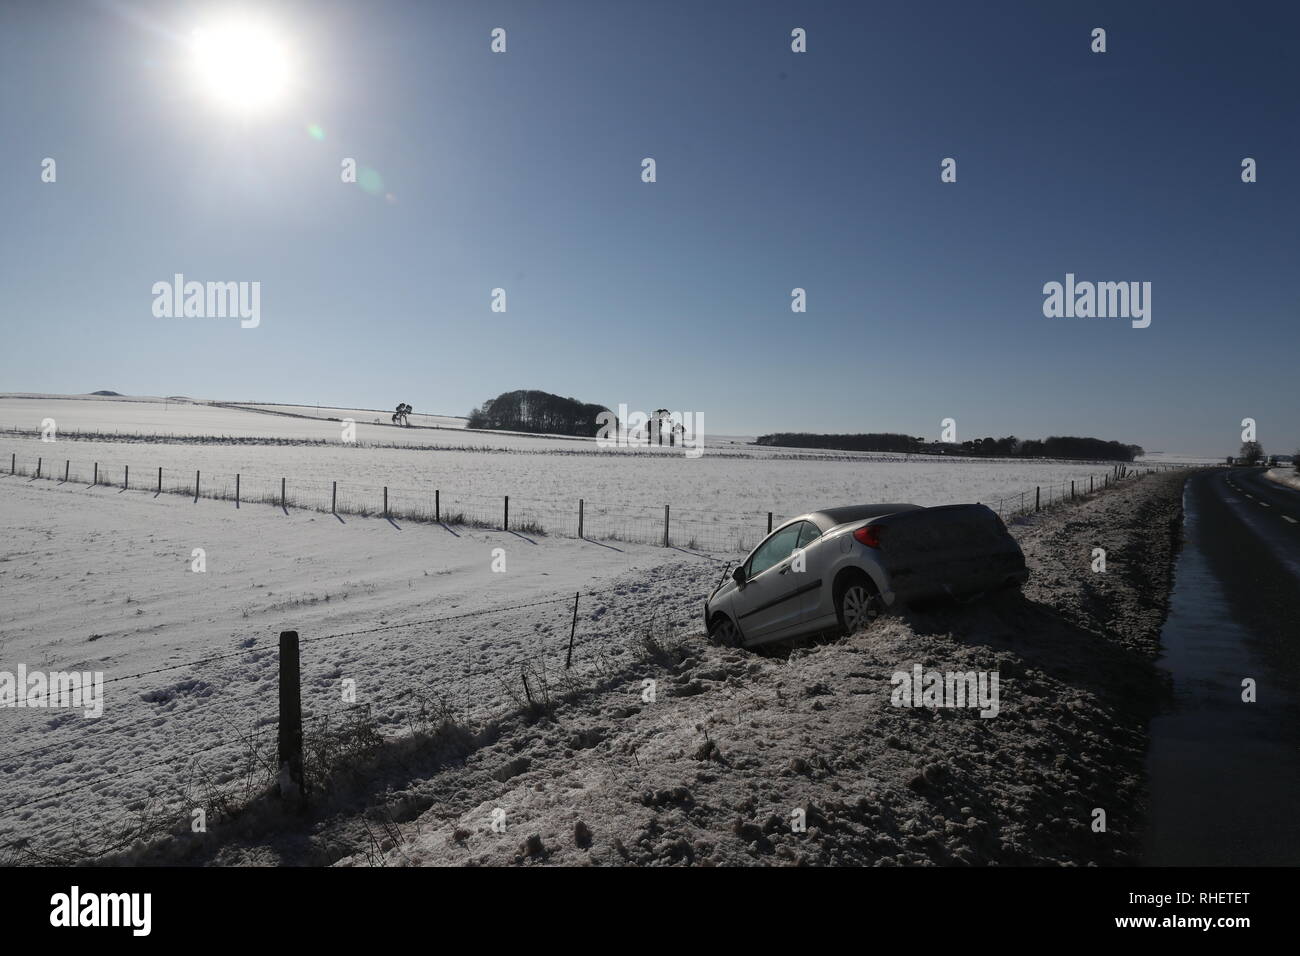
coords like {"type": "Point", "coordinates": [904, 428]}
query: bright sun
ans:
{"type": "Point", "coordinates": [242, 65]}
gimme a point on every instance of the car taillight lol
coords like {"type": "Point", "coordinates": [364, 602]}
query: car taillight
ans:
{"type": "Point", "coordinates": [869, 535]}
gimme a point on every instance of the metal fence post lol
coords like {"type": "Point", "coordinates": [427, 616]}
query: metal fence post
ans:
{"type": "Point", "coordinates": [67, 465]}
{"type": "Point", "coordinates": [573, 629]}
{"type": "Point", "coordinates": [1038, 498]}
{"type": "Point", "coordinates": [196, 485]}
{"type": "Point", "coordinates": [283, 505]}
{"type": "Point", "coordinates": [505, 523]}
{"type": "Point", "coordinates": [236, 489]}
{"type": "Point", "coordinates": [665, 526]}
{"type": "Point", "coordinates": [126, 477]}
{"type": "Point", "coordinates": [289, 758]}
{"type": "Point", "coordinates": [160, 479]}
{"type": "Point", "coordinates": [385, 501]}
{"type": "Point", "coordinates": [579, 517]}
{"type": "Point", "coordinates": [334, 498]}
{"type": "Point", "coordinates": [13, 464]}
{"type": "Point", "coordinates": [769, 522]}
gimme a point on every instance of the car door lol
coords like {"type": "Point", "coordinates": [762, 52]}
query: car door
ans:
{"type": "Point", "coordinates": [769, 601]}
{"type": "Point", "coordinates": [808, 564]}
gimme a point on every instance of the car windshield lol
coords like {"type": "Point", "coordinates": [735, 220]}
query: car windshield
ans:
{"type": "Point", "coordinates": [774, 550]}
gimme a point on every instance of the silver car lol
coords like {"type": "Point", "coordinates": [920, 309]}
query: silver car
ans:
{"type": "Point", "coordinates": [840, 567]}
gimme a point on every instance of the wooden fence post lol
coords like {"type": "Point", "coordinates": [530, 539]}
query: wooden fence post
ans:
{"type": "Point", "coordinates": [437, 505]}
{"type": "Point", "coordinates": [573, 629]}
{"type": "Point", "coordinates": [334, 498]}
{"type": "Point", "coordinates": [665, 526]}
{"type": "Point", "coordinates": [579, 517]}
{"type": "Point", "coordinates": [506, 523]}
{"type": "Point", "coordinates": [283, 505]}
{"type": "Point", "coordinates": [1072, 490]}
{"type": "Point", "coordinates": [236, 489]}
{"type": "Point", "coordinates": [1090, 484]}
{"type": "Point", "coordinates": [67, 465]}
{"type": "Point", "coordinates": [385, 501]}
{"type": "Point", "coordinates": [38, 467]}
{"type": "Point", "coordinates": [13, 463]}
{"type": "Point", "coordinates": [289, 758]}
{"type": "Point", "coordinates": [196, 485]}
{"type": "Point", "coordinates": [1038, 498]}
{"type": "Point", "coordinates": [95, 480]}
{"type": "Point", "coordinates": [160, 479]}
{"type": "Point", "coordinates": [769, 522]}
{"type": "Point", "coordinates": [126, 477]}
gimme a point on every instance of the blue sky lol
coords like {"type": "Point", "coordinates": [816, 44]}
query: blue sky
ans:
{"type": "Point", "coordinates": [775, 170]}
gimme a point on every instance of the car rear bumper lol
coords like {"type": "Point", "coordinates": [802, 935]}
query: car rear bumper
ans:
{"type": "Point", "coordinates": [959, 578]}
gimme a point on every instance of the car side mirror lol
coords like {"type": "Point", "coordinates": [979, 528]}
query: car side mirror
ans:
{"type": "Point", "coordinates": [738, 575]}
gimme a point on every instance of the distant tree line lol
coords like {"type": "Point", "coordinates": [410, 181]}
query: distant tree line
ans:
{"type": "Point", "coordinates": [1093, 449]}
{"type": "Point", "coordinates": [529, 410]}
{"type": "Point", "coordinates": [875, 441]}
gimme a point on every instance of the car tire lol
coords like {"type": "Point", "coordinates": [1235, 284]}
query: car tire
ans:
{"type": "Point", "coordinates": [857, 603]}
{"type": "Point", "coordinates": [724, 631]}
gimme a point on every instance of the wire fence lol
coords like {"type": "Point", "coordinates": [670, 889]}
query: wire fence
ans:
{"type": "Point", "coordinates": [664, 525]}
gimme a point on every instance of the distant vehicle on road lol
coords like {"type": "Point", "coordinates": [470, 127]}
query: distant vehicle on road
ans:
{"type": "Point", "coordinates": [840, 567]}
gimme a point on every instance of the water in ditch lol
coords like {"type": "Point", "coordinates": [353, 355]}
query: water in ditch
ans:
{"type": "Point", "coordinates": [1224, 775]}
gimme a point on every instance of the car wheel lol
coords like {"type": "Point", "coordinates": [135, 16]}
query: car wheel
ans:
{"type": "Point", "coordinates": [725, 631]}
{"type": "Point", "coordinates": [858, 605]}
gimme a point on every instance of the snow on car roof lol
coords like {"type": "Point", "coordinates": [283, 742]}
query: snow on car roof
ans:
{"type": "Point", "coordinates": [827, 518]}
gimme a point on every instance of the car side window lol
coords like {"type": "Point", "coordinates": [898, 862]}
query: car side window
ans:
{"type": "Point", "coordinates": [808, 535]}
{"type": "Point", "coordinates": [774, 550]}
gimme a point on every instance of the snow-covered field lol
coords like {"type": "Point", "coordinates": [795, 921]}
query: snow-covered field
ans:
{"type": "Point", "coordinates": [718, 502]}
{"type": "Point", "coordinates": [371, 415]}
{"type": "Point", "coordinates": [95, 579]}
{"type": "Point", "coordinates": [100, 578]}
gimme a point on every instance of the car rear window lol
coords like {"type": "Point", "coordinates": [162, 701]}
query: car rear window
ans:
{"type": "Point", "coordinates": [809, 534]}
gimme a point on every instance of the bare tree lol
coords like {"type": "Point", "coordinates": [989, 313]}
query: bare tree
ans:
{"type": "Point", "coordinates": [660, 415]}
{"type": "Point", "coordinates": [1251, 452]}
